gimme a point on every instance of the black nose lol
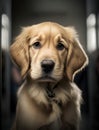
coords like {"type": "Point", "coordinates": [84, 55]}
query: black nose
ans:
{"type": "Point", "coordinates": [47, 66]}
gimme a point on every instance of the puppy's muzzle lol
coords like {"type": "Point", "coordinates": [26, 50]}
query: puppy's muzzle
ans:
{"type": "Point", "coordinates": [47, 66]}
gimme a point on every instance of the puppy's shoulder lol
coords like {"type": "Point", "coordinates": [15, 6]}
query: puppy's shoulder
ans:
{"type": "Point", "coordinates": [21, 90]}
{"type": "Point", "coordinates": [76, 93]}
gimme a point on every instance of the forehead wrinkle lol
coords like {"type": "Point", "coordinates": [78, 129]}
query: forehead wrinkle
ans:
{"type": "Point", "coordinates": [49, 35]}
{"type": "Point", "coordinates": [47, 32]}
{"type": "Point", "coordinates": [53, 33]}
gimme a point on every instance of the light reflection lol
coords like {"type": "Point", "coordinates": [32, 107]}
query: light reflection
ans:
{"type": "Point", "coordinates": [5, 32]}
{"type": "Point", "coordinates": [91, 33]}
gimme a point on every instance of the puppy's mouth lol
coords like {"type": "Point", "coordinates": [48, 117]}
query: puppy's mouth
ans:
{"type": "Point", "coordinates": [46, 78]}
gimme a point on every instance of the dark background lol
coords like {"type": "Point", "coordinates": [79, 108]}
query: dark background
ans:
{"type": "Point", "coordinates": [84, 16]}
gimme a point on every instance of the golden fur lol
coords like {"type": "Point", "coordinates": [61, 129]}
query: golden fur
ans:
{"type": "Point", "coordinates": [35, 109]}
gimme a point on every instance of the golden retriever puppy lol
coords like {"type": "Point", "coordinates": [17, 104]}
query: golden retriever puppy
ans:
{"type": "Point", "coordinates": [48, 55]}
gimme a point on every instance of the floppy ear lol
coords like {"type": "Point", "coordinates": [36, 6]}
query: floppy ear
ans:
{"type": "Point", "coordinates": [76, 58]}
{"type": "Point", "coordinates": [19, 51]}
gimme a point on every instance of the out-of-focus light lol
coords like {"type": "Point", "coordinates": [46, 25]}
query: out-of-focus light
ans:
{"type": "Point", "coordinates": [91, 33]}
{"type": "Point", "coordinates": [91, 20]}
{"type": "Point", "coordinates": [4, 31]}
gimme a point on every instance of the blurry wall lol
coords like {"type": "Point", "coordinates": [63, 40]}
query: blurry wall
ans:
{"type": "Point", "coordinates": [65, 12]}
{"type": "Point", "coordinates": [93, 71]}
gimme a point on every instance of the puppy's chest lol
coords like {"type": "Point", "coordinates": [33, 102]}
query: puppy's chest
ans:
{"type": "Point", "coordinates": [49, 103]}
{"type": "Point", "coordinates": [52, 107]}
{"type": "Point", "coordinates": [52, 100]}
{"type": "Point", "coordinates": [55, 101]}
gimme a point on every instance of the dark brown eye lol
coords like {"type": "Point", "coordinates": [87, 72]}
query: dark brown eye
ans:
{"type": "Point", "coordinates": [37, 45]}
{"type": "Point", "coordinates": [60, 46]}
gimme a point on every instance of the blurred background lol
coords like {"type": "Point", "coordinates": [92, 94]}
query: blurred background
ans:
{"type": "Point", "coordinates": [84, 16]}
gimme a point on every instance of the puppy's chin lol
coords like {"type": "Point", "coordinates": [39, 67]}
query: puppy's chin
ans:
{"type": "Point", "coordinates": [46, 79]}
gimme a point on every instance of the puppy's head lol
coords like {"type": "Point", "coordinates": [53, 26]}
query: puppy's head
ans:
{"type": "Point", "coordinates": [48, 52]}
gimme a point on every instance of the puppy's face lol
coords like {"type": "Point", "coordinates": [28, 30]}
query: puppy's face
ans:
{"type": "Point", "coordinates": [47, 52]}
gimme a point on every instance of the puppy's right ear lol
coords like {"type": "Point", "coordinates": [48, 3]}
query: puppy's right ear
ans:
{"type": "Point", "coordinates": [19, 51]}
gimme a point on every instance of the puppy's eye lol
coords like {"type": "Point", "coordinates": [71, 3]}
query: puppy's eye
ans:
{"type": "Point", "coordinates": [60, 46]}
{"type": "Point", "coordinates": [37, 45]}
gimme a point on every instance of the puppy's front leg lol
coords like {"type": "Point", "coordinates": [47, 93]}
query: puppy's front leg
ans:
{"type": "Point", "coordinates": [28, 115]}
{"type": "Point", "coordinates": [71, 116]}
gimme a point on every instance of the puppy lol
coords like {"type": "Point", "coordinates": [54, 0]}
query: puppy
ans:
{"type": "Point", "coordinates": [48, 55]}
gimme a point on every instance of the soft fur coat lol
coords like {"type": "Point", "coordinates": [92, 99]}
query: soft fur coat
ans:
{"type": "Point", "coordinates": [48, 99]}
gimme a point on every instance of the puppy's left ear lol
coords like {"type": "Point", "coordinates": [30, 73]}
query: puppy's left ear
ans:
{"type": "Point", "coordinates": [76, 58]}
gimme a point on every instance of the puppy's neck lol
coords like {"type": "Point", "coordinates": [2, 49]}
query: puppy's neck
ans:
{"type": "Point", "coordinates": [50, 89]}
